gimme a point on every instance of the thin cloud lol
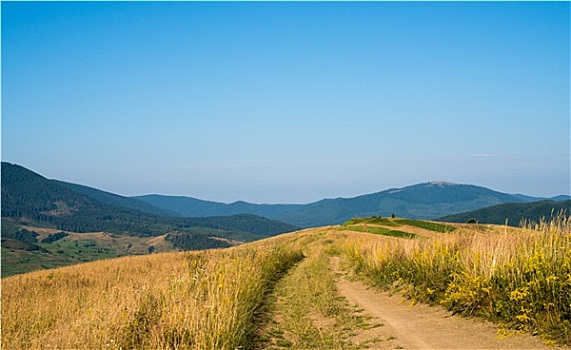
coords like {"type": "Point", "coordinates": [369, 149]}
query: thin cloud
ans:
{"type": "Point", "coordinates": [485, 155]}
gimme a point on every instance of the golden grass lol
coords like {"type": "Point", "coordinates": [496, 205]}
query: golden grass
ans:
{"type": "Point", "coordinates": [518, 277]}
{"type": "Point", "coordinates": [200, 300]}
{"type": "Point", "coordinates": [212, 299]}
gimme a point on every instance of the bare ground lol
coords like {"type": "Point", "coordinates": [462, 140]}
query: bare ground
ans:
{"type": "Point", "coordinates": [424, 327]}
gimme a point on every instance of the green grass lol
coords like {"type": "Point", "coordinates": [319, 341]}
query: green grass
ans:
{"type": "Point", "coordinates": [308, 292]}
{"type": "Point", "coordinates": [378, 231]}
{"type": "Point", "coordinates": [372, 220]}
{"type": "Point", "coordinates": [63, 252]}
{"type": "Point", "coordinates": [427, 225]}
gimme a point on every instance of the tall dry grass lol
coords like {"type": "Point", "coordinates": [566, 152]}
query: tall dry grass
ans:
{"type": "Point", "coordinates": [518, 277]}
{"type": "Point", "coordinates": [206, 300]}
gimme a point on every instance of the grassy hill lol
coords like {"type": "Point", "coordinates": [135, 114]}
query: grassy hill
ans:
{"type": "Point", "coordinates": [513, 213]}
{"type": "Point", "coordinates": [242, 297]}
{"type": "Point", "coordinates": [422, 201]}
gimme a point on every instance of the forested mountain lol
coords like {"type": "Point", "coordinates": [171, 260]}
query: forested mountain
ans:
{"type": "Point", "coordinates": [30, 198]}
{"type": "Point", "coordinates": [422, 201]}
{"type": "Point", "coordinates": [185, 206]}
{"type": "Point", "coordinates": [514, 213]}
{"type": "Point", "coordinates": [116, 200]}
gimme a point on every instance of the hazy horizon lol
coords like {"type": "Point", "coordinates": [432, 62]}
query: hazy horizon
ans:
{"type": "Point", "coordinates": [271, 102]}
{"type": "Point", "coordinates": [397, 189]}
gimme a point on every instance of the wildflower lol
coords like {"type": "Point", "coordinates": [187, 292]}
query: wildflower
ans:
{"type": "Point", "coordinates": [518, 295]}
{"type": "Point", "coordinates": [551, 278]}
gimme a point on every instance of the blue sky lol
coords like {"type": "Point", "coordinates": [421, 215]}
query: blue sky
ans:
{"type": "Point", "coordinates": [291, 102]}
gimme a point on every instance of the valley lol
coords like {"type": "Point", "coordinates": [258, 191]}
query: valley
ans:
{"type": "Point", "coordinates": [74, 248]}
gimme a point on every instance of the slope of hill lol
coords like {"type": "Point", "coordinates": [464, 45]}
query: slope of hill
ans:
{"type": "Point", "coordinates": [30, 197]}
{"type": "Point", "coordinates": [116, 200]}
{"type": "Point", "coordinates": [513, 213]}
{"type": "Point", "coordinates": [560, 198]}
{"type": "Point", "coordinates": [422, 201]}
{"type": "Point", "coordinates": [185, 206]}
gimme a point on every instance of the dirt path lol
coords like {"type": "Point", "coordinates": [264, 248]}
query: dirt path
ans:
{"type": "Point", "coordinates": [425, 327]}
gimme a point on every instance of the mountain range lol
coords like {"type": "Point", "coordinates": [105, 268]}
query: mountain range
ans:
{"type": "Point", "coordinates": [429, 200]}
{"type": "Point", "coordinates": [50, 223]}
{"type": "Point", "coordinates": [31, 199]}
{"type": "Point", "coordinates": [29, 196]}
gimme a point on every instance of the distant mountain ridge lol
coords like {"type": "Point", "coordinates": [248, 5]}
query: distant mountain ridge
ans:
{"type": "Point", "coordinates": [54, 201]}
{"type": "Point", "coordinates": [116, 200]}
{"type": "Point", "coordinates": [29, 198]}
{"type": "Point", "coordinates": [190, 207]}
{"type": "Point", "coordinates": [429, 200]}
{"type": "Point", "coordinates": [101, 223]}
{"type": "Point", "coordinates": [513, 213]}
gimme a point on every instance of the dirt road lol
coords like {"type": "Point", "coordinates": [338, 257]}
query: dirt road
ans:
{"type": "Point", "coordinates": [422, 326]}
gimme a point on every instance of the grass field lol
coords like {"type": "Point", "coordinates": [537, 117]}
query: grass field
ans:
{"type": "Point", "coordinates": [376, 230]}
{"type": "Point", "coordinates": [202, 300]}
{"type": "Point", "coordinates": [271, 293]}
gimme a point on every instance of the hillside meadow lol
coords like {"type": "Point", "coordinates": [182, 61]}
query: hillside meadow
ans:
{"type": "Point", "coordinates": [38, 251]}
{"type": "Point", "coordinates": [225, 298]}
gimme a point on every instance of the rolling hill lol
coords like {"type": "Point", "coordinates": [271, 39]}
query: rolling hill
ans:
{"type": "Point", "coordinates": [80, 208]}
{"type": "Point", "coordinates": [422, 201]}
{"type": "Point", "coordinates": [513, 213]}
